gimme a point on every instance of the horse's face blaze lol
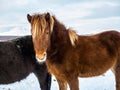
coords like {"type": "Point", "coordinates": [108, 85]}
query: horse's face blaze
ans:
{"type": "Point", "coordinates": [40, 35]}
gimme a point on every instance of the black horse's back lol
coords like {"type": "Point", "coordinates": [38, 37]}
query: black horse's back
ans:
{"type": "Point", "coordinates": [17, 61]}
{"type": "Point", "coordinates": [12, 66]}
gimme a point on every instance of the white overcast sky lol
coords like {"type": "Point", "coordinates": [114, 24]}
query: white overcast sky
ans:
{"type": "Point", "coordinates": [84, 16]}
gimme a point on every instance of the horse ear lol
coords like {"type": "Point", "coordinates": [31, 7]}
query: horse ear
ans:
{"type": "Point", "coordinates": [47, 17]}
{"type": "Point", "coordinates": [50, 20]}
{"type": "Point", "coordinates": [29, 17]}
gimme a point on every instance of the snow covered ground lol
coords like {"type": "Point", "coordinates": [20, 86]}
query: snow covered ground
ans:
{"type": "Point", "coordinates": [103, 82]}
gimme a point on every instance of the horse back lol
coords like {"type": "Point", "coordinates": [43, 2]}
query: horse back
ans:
{"type": "Point", "coordinates": [13, 58]}
{"type": "Point", "coordinates": [111, 39]}
{"type": "Point", "coordinates": [94, 55]}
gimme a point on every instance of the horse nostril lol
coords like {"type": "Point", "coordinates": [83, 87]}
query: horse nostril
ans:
{"type": "Point", "coordinates": [44, 54]}
{"type": "Point", "coordinates": [41, 57]}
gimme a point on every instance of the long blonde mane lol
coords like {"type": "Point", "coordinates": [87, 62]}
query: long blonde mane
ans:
{"type": "Point", "coordinates": [39, 23]}
{"type": "Point", "coordinates": [73, 36]}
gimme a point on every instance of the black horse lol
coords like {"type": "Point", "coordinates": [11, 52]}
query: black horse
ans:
{"type": "Point", "coordinates": [17, 61]}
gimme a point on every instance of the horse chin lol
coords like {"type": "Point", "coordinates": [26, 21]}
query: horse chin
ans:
{"type": "Point", "coordinates": [41, 60]}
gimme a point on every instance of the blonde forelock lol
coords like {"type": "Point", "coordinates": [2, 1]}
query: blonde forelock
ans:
{"type": "Point", "coordinates": [39, 23]}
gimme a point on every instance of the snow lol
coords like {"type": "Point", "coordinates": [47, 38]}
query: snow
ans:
{"type": "Point", "coordinates": [103, 82]}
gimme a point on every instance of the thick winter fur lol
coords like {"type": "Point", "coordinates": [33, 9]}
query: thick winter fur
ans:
{"type": "Point", "coordinates": [17, 61]}
{"type": "Point", "coordinates": [71, 56]}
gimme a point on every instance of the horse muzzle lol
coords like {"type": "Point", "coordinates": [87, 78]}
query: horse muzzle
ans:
{"type": "Point", "coordinates": [41, 57]}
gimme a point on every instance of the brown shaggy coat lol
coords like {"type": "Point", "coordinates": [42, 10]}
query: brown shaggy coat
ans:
{"type": "Point", "coordinates": [70, 55]}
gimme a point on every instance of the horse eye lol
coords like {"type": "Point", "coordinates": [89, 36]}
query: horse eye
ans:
{"type": "Point", "coordinates": [47, 33]}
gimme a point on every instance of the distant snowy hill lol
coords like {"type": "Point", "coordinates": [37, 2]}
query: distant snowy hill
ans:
{"type": "Point", "coordinates": [7, 37]}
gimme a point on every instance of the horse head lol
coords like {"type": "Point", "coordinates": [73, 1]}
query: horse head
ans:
{"type": "Point", "coordinates": [41, 29]}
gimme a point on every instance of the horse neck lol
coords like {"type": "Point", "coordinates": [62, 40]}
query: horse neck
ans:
{"type": "Point", "coordinates": [59, 41]}
{"type": "Point", "coordinates": [25, 44]}
{"type": "Point", "coordinates": [60, 34]}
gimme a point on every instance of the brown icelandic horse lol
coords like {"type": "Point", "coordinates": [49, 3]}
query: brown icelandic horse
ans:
{"type": "Point", "coordinates": [69, 55]}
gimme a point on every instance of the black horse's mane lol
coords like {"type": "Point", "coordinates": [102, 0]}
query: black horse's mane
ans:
{"type": "Point", "coordinates": [25, 45]}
